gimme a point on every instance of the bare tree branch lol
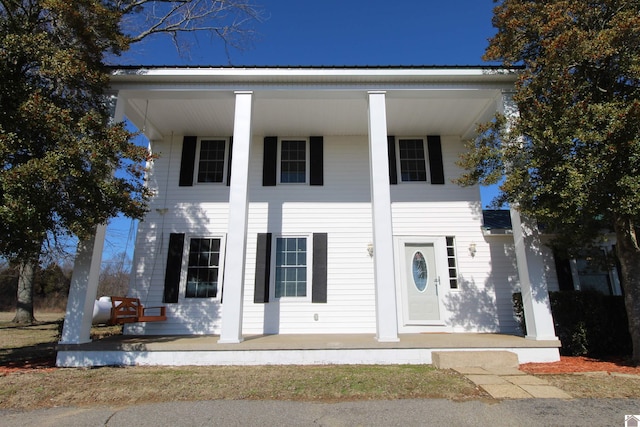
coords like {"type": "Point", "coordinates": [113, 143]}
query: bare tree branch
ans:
{"type": "Point", "coordinates": [228, 20]}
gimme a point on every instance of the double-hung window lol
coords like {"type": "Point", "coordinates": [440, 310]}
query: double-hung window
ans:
{"type": "Point", "coordinates": [412, 160]}
{"type": "Point", "coordinates": [205, 161]}
{"type": "Point", "coordinates": [212, 164]}
{"type": "Point", "coordinates": [203, 269]}
{"type": "Point", "coordinates": [291, 268]}
{"type": "Point", "coordinates": [294, 161]}
{"type": "Point", "coordinates": [416, 160]}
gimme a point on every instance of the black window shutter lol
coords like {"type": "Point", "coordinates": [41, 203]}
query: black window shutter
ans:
{"type": "Point", "coordinates": [393, 168]}
{"type": "Point", "coordinates": [270, 161]}
{"type": "Point", "coordinates": [319, 279]}
{"type": "Point", "coordinates": [263, 268]}
{"type": "Point", "coordinates": [436, 166]}
{"type": "Point", "coordinates": [174, 268]}
{"type": "Point", "coordinates": [229, 156]}
{"type": "Point", "coordinates": [187, 161]}
{"type": "Point", "coordinates": [316, 164]}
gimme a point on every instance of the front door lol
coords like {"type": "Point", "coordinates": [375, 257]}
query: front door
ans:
{"type": "Point", "coordinates": [420, 278]}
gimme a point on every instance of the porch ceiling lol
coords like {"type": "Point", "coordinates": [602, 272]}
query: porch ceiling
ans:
{"type": "Point", "coordinates": [309, 112]}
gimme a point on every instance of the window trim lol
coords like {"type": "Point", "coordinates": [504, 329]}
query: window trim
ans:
{"type": "Point", "coordinates": [309, 266]}
{"type": "Point", "coordinates": [225, 169]}
{"type": "Point", "coordinates": [182, 295]}
{"type": "Point", "coordinates": [307, 161]}
{"type": "Point", "coordinates": [398, 160]}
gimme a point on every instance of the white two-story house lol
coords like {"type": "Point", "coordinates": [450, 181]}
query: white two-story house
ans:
{"type": "Point", "coordinates": [319, 200]}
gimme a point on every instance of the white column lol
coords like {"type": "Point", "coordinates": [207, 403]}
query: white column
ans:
{"type": "Point", "coordinates": [533, 283]}
{"type": "Point", "coordinates": [384, 276]}
{"type": "Point", "coordinates": [86, 272]}
{"type": "Point", "coordinates": [83, 289]}
{"type": "Point", "coordinates": [529, 257]}
{"type": "Point", "coordinates": [232, 306]}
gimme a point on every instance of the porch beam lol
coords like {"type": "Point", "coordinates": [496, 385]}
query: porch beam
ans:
{"type": "Point", "coordinates": [232, 309]}
{"type": "Point", "coordinates": [383, 259]}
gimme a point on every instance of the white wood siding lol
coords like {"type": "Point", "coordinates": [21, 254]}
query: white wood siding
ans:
{"type": "Point", "coordinates": [198, 211]}
{"type": "Point", "coordinates": [479, 303]}
{"type": "Point", "coordinates": [341, 208]}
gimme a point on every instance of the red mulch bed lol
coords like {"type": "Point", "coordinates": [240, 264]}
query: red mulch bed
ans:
{"type": "Point", "coordinates": [40, 365]}
{"type": "Point", "coordinates": [568, 365]}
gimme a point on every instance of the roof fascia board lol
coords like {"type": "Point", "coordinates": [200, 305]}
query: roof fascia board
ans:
{"type": "Point", "coordinates": [331, 76]}
{"type": "Point", "coordinates": [194, 89]}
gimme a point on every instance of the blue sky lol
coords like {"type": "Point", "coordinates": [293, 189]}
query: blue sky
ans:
{"type": "Point", "coordinates": [334, 32]}
{"type": "Point", "coordinates": [345, 32]}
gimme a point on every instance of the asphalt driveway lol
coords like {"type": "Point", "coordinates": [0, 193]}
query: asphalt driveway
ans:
{"type": "Point", "coordinates": [431, 412]}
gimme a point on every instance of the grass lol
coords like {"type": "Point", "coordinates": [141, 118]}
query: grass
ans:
{"type": "Point", "coordinates": [135, 385]}
{"type": "Point", "coordinates": [31, 344]}
{"type": "Point", "coordinates": [35, 344]}
{"type": "Point", "coordinates": [37, 388]}
{"type": "Point", "coordinates": [597, 385]}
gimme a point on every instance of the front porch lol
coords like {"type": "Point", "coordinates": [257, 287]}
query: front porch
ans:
{"type": "Point", "coordinates": [128, 350]}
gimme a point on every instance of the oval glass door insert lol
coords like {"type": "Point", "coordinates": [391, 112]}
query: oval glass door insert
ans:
{"type": "Point", "coordinates": [420, 272]}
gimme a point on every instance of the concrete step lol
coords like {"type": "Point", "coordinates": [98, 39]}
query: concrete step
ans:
{"type": "Point", "coordinates": [482, 359]}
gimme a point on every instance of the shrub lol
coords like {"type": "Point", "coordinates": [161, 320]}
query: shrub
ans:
{"type": "Point", "coordinates": [587, 323]}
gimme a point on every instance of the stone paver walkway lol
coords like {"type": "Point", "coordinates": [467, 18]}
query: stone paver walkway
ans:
{"type": "Point", "coordinates": [511, 383]}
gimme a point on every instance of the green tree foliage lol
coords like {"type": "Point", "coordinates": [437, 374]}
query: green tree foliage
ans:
{"type": "Point", "coordinates": [570, 158]}
{"type": "Point", "coordinates": [57, 146]}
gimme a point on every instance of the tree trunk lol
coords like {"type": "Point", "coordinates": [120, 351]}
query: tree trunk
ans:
{"type": "Point", "coordinates": [24, 306]}
{"type": "Point", "coordinates": [628, 252]}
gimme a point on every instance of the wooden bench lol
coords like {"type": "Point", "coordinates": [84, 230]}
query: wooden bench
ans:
{"type": "Point", "coordinates": [130, 310]}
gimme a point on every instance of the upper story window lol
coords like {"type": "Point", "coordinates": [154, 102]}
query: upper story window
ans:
{"type": "Point", "coordinates": [409, 157]}
{"type": "Point", "coordinates": [412, 160]}
{"type": "Point", "coordinates": [212, 161]}
{"type": "Point", "coordinates": [205, 160]}
{"type": "Point", "coordinates": [293, 161]}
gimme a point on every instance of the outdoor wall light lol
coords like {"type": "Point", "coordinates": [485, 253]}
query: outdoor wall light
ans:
{"type": "Point", "coordinates": [370, 249]}
{"type": "Point", "coordinates": [472, 249]}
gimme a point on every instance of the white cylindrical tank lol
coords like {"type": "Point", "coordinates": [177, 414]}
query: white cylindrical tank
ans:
{"type": "Point", "coordinates": [102, 310]}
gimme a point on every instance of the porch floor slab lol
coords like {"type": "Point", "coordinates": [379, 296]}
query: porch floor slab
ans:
{"type": "Point", "coordinates": [295, 349]}
{"type": "Point", "coordinates": [311, 341]}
